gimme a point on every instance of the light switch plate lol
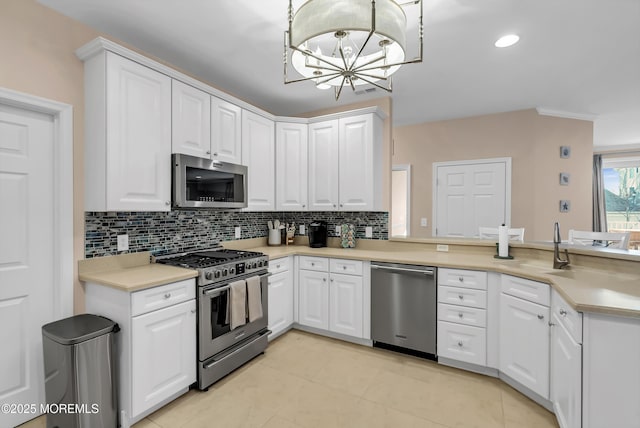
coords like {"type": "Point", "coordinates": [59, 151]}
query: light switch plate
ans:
{"type": "Point", "coordinates": [423, 222]}
{"type": "Point", "coordinates": [123, 242]}
{"type": "Point", "coordinates": [368, 232]}
{"type": "Point", "coordinates": [442, 247]}
{"type": "Point", "coordinates": [302, 229]}
{"type": "Point", "coordinates": [238, 232]}
{"type": "Point", "coordinates": [338, 229]}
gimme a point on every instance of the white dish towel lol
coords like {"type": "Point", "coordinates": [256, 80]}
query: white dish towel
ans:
{"type": "Point", "coordinates": [238, 307]}
{"type": "Point", "coordinates": [255, 298]}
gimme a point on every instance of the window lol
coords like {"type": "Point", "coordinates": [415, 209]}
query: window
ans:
{"type": "Point", "coordinates": [622, 196]}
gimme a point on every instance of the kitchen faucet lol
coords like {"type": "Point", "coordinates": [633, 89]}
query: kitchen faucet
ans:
{"type": "Point", "coordinates": [558, 263]}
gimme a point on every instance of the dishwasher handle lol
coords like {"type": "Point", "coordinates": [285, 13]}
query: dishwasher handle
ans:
{"type": "Point", "coordinates": [425, 272]}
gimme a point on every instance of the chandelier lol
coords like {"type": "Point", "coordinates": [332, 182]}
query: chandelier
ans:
{"type": "Point", "coordinates": [338, 43]}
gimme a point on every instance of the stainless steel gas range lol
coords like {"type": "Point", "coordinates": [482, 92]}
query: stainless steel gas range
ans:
{"type": "Point", "coordinates": [222, 349]}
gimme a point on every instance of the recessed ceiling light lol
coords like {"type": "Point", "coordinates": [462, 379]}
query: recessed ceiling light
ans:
{"type": "Point", "coordinates": [506, 41]}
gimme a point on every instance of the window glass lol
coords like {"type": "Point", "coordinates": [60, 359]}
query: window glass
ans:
{"type": "Point", "coordinates": [622, 197]}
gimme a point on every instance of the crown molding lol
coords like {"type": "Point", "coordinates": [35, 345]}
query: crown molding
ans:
{"type": "Point", "coordinates": [543, 111]}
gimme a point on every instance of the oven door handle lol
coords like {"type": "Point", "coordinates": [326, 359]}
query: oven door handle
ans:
{"type": "Point", "coordinates": [226, 287]}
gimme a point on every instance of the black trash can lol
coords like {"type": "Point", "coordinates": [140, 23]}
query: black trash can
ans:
{"type": "Point", "coordinates": [80, 372]}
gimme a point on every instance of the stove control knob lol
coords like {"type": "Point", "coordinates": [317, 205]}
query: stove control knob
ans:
{"type": "Point", "coordinates": [254, 265]}
{"type": "Point", "coordinates": [260, 263]}
{"type": "Point", "coordinates": [217, 274]}
{"type": "Point", "coordinates": [208, 275]}
{"type": "Point", "coordinates": [225, 271]}
{"type": "Point", "coordinates": [232, 270]}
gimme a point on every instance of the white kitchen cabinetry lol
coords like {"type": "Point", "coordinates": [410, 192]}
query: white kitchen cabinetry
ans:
{"type": "Point", "coordinates": [156, 344]}
{"type": "Point", "coordinates": [127, 135]}
{"type": "Point", "coordinates": [291, 166]}
{"type": "Point", "coordinates": [462, 316]}
{"type": "Point", "coordinates": [333, 296]}
{"type": "Point", "coordinates": [280, 296]}
{"type": "Point", "coordinates": [524, 333]}
{"type": "Point", "coordinates": [226, 131]}
{"type": "Point", "coordinates": [190, 120]}
{"type": "Point", "coordinates": [345, 164]}
{"type": "Point", "coordinates": [258, 154]}
{"type": "Point", "coordinates": [566, 363]}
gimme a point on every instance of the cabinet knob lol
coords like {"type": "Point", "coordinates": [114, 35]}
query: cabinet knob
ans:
{"type": "Point", "coordinates": [313, 264]}
{"type": "Point", "coordinates": [277, 266]}
{"type": "Point", "coordinates": [461, 279]}
{"type": "Point", "coordinates": [540, 317]}
{"type": "Point", "coordinates": [460, 315]}
{"type": "Point", "coordinates": [460, 296]}
{"type": "Point", "coordinates": [344, 267]}
{"type": "Point", "coordinates": [563, 312]}
{"type": "Point", "coordinates": [331, 279]}
{"type": "Point", "coordinates": [215, 154]}
{"type": "Point", "coordinates": [324, 279]}
{"type": "Point", "coordinates": [167, 203]}
{"type": "Point", "coordinates": [167, 295]}
{"type": "Point", "coordinates": [460, 344]}
{"type": "Point", "coordinates": [304, 206]}
{"type": "Point", "coordinates": [551, 324]}
{"type": "Point", "coordinates": [341, 205]}
{"type": "Point", "coordinates": [208, 152]}
{"type": "Point", "coordinates": [193, 311]}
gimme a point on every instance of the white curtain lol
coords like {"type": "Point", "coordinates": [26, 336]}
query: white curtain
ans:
{"type": "Point", "coordinates": [599, 206]}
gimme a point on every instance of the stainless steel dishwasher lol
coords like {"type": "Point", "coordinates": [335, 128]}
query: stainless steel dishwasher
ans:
{"type": "Point", "coordinates": [403, 306]}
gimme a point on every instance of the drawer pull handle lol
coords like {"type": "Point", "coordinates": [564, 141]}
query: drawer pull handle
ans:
{"type": "Point", "coordinates": [461, 279]}
{"type": "Point", "coordinates": [551, 324]}
{"type": "Point", "coordinates": [344, 268]}
{"type": "Point", "coordinates": [277, 266]}
{"type": "Point", "coordinates": [324, 279]}
{"type": "Point", "coordinates": [540, 317]}
{"type": "Point", "coordinates": [460, 296]}
{"type": "Point", "coordinates": [167, 295]}
{"type": "Point", "coordinates": [460, 314]}
{"type": "Point", "coordinates": [460, 344]}
{"type": "Point", "coordinates": [563, 312]}
{"type": "Point", "coordinates": [313, 264]}
{"type": "Point", "coordinates": [193, 311]}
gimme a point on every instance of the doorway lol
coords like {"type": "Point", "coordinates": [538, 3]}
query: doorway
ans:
{"type": "Point", "coordinates": [400, 200]}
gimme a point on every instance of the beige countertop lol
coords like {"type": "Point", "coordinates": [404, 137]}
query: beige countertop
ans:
{"type": "Point", "coordinates": [130, 272]}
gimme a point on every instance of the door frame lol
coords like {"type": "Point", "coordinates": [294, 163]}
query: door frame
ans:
{"type": "Point", "coordinates": [434, 186]}
{"type": "Point", "coordinates": [407, 168]}
{"type": "Point", "coordinates": [63, 268]}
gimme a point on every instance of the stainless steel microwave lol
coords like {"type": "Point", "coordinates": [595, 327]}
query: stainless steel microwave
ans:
{"type": "Point", "coordinates": [207, 183]}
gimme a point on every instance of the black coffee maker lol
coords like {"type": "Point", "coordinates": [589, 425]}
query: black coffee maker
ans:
{"type": "Point", "coordinates": [318, 234]}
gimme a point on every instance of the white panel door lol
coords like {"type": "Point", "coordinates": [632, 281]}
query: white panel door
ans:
{"type": "Point", "coordinates": [191, 120]}
{"type": "Point", "coordinates": [345, 304]}
{"type": "Point", "coordinates": [26, 261]}
{"type": "Point", "coordinates": [280, 302]}
{"type": "Point", "coordinates": [291, 166]}
{"type": "Point", "coordinates": [258, 154]}
{"type": "Point", "coordinates": [356, 163]}
{"type": "Point", "coordinates": [163, 354]}
{"type": "Point", "coordinates": [323, 166]}
{"type": "Point", "coordinates": [469, 195]}
{"type": "Point", "coordinates": [566, 376]}
{"type": "Point", "coordinates": [138, 137]}
{"type": "Point", "coordinates": [313, 295]}
{"type": "Point", "coordinates": [524, 343]}
{"type": "Point", "coordinates": [226, 131]}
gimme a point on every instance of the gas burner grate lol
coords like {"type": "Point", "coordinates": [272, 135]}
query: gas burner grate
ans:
{"type": "Point", "coordinates": [207, 258]}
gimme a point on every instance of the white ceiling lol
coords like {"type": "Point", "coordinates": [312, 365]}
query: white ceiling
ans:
{"type": "Point", "coordinates": [576, 56]}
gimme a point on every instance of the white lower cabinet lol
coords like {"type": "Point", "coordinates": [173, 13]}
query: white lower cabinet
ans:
{"type": "Point", "coordinates": [280, 297]}
{"type": "Point", "coordinates": [333, 301]}
{"type": "Point", "coordinates": [156, 343]}
{"type": "Point", "coordinates": [462, 342]}
{"type": "Point", "coordinates": [566, 376]}
{"type": "Point", "coordinates": [524, 338]}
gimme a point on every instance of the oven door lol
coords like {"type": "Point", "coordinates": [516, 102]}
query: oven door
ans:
{"type": "Point", "coordinates": [214, 329]}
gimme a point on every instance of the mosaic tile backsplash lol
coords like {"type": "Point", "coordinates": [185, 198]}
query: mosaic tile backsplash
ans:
{"type": "Point", "coordinates": [186, 230]}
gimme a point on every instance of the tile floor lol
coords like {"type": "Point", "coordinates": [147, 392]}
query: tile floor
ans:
{"type": "Point", "coordinates": [304, 380]}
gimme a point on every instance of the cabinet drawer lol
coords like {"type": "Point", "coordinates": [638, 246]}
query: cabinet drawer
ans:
{"type": "Point", "coordinates": [463, 278]}
{"type": "Point", "coordinates": [314, 263]}
{"type": "Point", "coordinates": [462, 314]}
{"type": "Point", "coordinates": [532, 291]}
{"type": "Point", "coordinates": [162, 296]}
{"type": "Point", "coordinates": [462, 296]}
{"type": "Point", "coordinates": [462, 343]}
{"type": "Point", "coordinates": [568, 317]}
{"type": "Point", "coordinates": [348, 267]}
{"type": "Point", "coordinates": [278, 265]}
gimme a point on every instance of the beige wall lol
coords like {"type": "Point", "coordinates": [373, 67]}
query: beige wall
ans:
{"type": "Point", "coordinates": [37, 48]}
{"type": "Point", "coordinates": [532, 141]}
{"type": "Point", "coordinates": [385, 105]}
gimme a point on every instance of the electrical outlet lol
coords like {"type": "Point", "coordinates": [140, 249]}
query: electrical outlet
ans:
{"type": "Point", "coordinates": [123, 242]}
{"type": "Point", "coordinates": [338, 230]}
{"type": "Point", "coordinates": [423, 222]}
{"type": "Point", "coordinates": [442, 247]}
{"type": "Point", "coordinates": [302, 229]}
{"type": "Point", "coordinates": [238, 232]}
{"type": "Point", "coordinates": [368, 232]}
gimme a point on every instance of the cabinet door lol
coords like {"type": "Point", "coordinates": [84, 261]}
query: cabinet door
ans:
{"type": "Point", "coordinates": [323, 166]}
{"type": "Point", "coordinates": [280, 302]}
{"type": "Point", "coordinates": [291, 166]}
{"type": "Point", "coordinates": [226, 131]}
{"type": "Point", "coordinates": [566, 377]}
{"type": "Point", "coordinates": [345, 304]}
{"type": "Point", "coordinates": [313, 294]}
{"type": "Point", "coordinates": [356, 163]}
{"type": "Point", "coordinates": [190, 120]}
{"type": "Point", "coordinates": [163, 354]}
{"type": "Point", "coordinates": [258, 154]}
{"type": "Point", "coordinates": [138, 137]}
{"type": "Point", "coordinates": [524, 343]}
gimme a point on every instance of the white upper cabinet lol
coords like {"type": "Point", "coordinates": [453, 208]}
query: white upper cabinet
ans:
{"type": "Point", "coordinates": [345, 164]}
{"type": "Point", "coordinates": [258, 154]}
{"type": "Point", "coordinates": [291, 166]}
{"type": "Point", "coordinates": [226, 135]}
{"type": "Point", "coordinates": [127, 136]}
{"type": "Point", "coordinates": [191, 120]}
{"type": "Point", "coordinates": [323, 166]}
